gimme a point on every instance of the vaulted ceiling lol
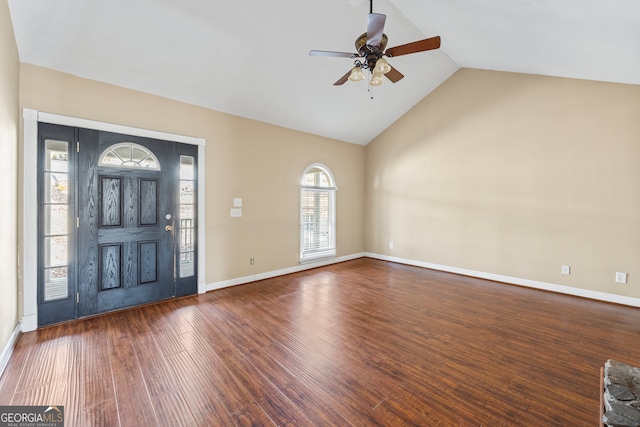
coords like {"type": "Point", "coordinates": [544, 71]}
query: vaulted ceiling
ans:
{"type": "Point", "coordinates": [250, 58]}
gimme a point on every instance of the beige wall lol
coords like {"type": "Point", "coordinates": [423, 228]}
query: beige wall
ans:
{"type": "Point", "coordinates": [515, 175]}
{"type": "Point", "coordinates": [259, 162]}
{"type": "Point", "coordinates": [9, 83]}
{"type": "Point", "coordinates": [496, 172]}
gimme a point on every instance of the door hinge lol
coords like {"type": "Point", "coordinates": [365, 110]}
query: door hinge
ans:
{"type": "Point", "coordinates": [77, 146]}
{"type": "Point", "coordinates": [77, 297]}
{"type": "Point", "coordinates": [77, 222]}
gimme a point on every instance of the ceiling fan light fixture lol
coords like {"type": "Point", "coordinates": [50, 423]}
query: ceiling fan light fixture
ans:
{"type": "Point", "coordinates": [371, 46]}
{"type": "Point", "coordinates": [376, 79]}
{"type": "Point", "coordinates": [356, 74]}
{"type": "Point", "coordinates": [382, 66]}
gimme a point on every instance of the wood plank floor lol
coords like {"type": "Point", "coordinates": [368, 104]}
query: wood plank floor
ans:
{"type": "Point", "coordinates": [359, 343]}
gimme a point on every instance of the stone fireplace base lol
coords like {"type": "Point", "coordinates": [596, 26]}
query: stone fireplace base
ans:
{"type": "Point", "coordinates": [621, 395]}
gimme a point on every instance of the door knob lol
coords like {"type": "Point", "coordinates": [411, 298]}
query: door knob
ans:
{"type": "Point", "coordinates": [169, 228]}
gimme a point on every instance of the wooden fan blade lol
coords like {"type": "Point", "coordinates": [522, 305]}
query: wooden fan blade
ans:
{"type": "Point", "coordinates": [394, 75]}
{"type": "Point", "coordinates": [419, 46]}
{"type": "Point", "coordinates": [375, 27]}
{"type": "Point", "coordinates": [343, 79]}
{"type": "Point", "coordinates": [335, 54]}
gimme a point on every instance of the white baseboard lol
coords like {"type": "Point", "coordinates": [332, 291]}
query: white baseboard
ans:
{"type": "Point", "coordinates": [282, 272]}
{"type": "Point", "coordinates": [7, 351]}
{"type": "Point", "coordinates": [202, 287]}
{"type": "Point", "coordinates": [29, 323]}
{"type": "Point", "coordinates": [585, 293]}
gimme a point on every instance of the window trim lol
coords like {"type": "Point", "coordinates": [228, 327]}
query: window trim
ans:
{"type": "Point", "coordinates": [307, 256]}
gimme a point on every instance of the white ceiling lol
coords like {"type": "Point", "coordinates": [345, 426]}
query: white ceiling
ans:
{"type": "Point", "coordinates": [250, 58]}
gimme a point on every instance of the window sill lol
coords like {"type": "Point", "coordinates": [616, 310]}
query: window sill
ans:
{"type": "Point", "coordinates": [315, 258]}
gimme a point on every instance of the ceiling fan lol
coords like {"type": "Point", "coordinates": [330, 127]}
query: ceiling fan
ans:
{"type": "Point", "coordinates": [370, 48]}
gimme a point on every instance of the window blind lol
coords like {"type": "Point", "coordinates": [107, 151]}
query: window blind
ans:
{"type": "Point", "coordinates": [318, 237]}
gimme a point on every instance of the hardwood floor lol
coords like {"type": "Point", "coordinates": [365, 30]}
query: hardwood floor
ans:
{"type": "Point", "coordinates": [359, 343]}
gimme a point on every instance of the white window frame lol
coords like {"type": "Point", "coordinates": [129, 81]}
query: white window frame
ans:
{"type": "Point", "coordinates": [327, 250]}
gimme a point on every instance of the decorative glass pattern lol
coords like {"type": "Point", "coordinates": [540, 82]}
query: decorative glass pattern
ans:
{"type": "Point", "coordinates": [129, 155]}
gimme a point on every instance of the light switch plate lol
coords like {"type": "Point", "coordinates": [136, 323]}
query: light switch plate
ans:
{"type": "Point", "coordinates": [237, 202]}
{"type": "Point", "coordinates": [621, 277]}
{"type": "Point", "coordinates": [236, 212]}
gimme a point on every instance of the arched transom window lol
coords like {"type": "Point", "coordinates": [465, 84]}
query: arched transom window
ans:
{"type": "Point", "coordinates": [129, 155]}
{"type": "Point", "coordinates": [317, 213]}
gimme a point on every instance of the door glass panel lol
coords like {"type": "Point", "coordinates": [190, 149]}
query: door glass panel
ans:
{"type": "Point", "coordinates": [186, 212]}
{"type": "Point", "coordinates": [129, 155]}
{"type": "Point", "coordinates": [149, 163]}
{"type": "Point", "coordinates": [186, 168]}
{"type": "Point", "coordinates": [187, 219]}
{"type": "Point", "coordinates": [186, 236]}
{"type": "Point", "coordinates": [56, 219]}
{"type": "Point", "coordinates": [186, 192]}
{"type": "Point", "coordinates": [55, 283]}
{"type": "Point", "coordinates": [142, 157]}
{"type": "Point", "coordinates": [56, 156]}
{"type": "Point", "coordinates": [56, 188]}
{"type": "Point", "coordinates": [122, 151]}
{"type": "Point", "coordinates": [138, 154]}
{"type": "Point", "coordinates": [110, 159]}
{"type": "Point", "coordinates": [187, 264]}
{"type": "Point", "coordinates": [55, 251]}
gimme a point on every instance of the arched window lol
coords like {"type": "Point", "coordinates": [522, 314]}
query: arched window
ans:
{"type": "Point", "coordinates": [317, 214]}
{"type": "Point", "coordinates": [129, 155]}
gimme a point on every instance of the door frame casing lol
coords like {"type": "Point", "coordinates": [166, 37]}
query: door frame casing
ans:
{"type": "Point", "coordinates": [28, 266]}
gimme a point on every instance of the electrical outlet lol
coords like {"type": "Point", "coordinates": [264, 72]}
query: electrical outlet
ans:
{"type": "Point", "coordinates": [621, 277]}
{"type": "Point", "coordinates": [390, 245]}
{"type": "Point", "coordinates": [566, 270]}
{"type": "Point", "coordinates": [252, 261]}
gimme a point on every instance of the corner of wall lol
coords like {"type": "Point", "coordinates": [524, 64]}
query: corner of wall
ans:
{"type": "Point", "coordinates": [9, 119]}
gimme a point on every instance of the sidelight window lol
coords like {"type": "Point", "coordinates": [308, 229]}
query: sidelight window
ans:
{"type": "Point", "coordinates": [317, 214]}
{"type": "Point", "coordinates": [56, 220]}
{"type": "Point", "coordinates": [186, 267]}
